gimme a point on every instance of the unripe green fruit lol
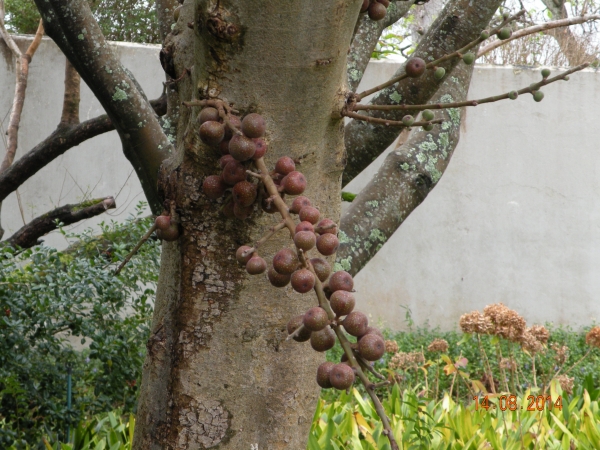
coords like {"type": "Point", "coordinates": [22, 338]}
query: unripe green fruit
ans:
{"type": "Point", "coordinates": [233, 173]}
{"type": "Point", "coordinates": [469, 58]}
{"type": "Point", "coordinates": [299, 203]}
{"type": "Point", "coordinates": [513, 95]}
{"type": "Point", "coordinates": [242, 148]}
{"type": "Point", "coordinates": [428, 114]}
{"type": "Point", "coordinates": [244, 193]}
{"type": "Point", "coordinates": [504, 33]}
{"type": "Point", "coordinates": [212, 132]}
{"type": "Point", "coordinates": [371, 347]}
{"type": "Point", "coordinates": [505, 16]}
{"type": "Point", "coordinates": [408, 120]}
{"type": "Point", "coordinates": [323, 373]}
{"type": "Point", "coordinates": [294, 183]}
{"type": "Point", "coordinates": [208, 114]}
{"type": "Point", "coordinates": [546, 73]}
{"type": "Point", "coordinates": [415, 67]}
{"type": "Point", "coordinates": [323, 340]}
{"type": "Point", "coordinates": [538, 96]}
{"type": "Point", "coordinates": [356, 323]}
{"type": "Point", "coordinates": [341, 376]}
{"type": "Point", "coordinates": [277, 279]}
{"type": "Point", "coordinates": [285, 165]}
{"type": "Point", "coordinates": [285, 261]}
{"type": "Point", "coordinates": [377, 11]}
{"type": "Point", "coordinates": [253, 125]}
{"type": "Point", "coordinates": [485, 34]}
{"type": "Point", "coordinates": [327, 226]}
{"type": "Point", "coordinates": [428, 127]}
{"type": "Point", "coordinates": [342, 303]}
{"type": "Point", "coordinates": [321, 268]}
{"type": "Point", "coordinates": [327, 244]}
{"type": "Point", "coordinates": [309, 214]}
{"type": "Point", "coordinates": [303, 281]}
{"type": "Point", "coordinates": [341, 281]}
{"type": "Point", "coordinates": [256, 265]}
{"type": "Point", "coordinates": [163, 222]}
{"type": "Point", "coordinates": [294, 324]}
{"type": "Point", "coordinates": [177, 12]}
{"type": "Point", "coordinates": [243, 259]}
{"type": "Point", "coordinates": [439, 73]}
{"type": "Point", "coordinates": [566, 78]}
{"type": "Point", "coordinates": [170, 234]}
{"type": "Point", "coordinates": [315, 319]}
{"type": "Point", "coordinates": [236, 122]}
{"type": "Point", "coordinates": [214, 187]}
{"type": "Point", "coordinates": [305, 240]}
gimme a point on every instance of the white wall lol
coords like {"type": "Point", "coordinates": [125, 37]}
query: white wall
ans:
{"type": "Point", "coordinates": [515, 218]}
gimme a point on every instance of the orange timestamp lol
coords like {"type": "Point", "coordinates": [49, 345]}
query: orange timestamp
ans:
{"type": "Point", "coordinates": [509, 402]}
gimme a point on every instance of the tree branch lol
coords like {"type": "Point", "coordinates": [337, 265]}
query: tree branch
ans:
{"type": "Point", "coordinates": [460, 23]}
{"type": "Point", "coordinates": [70, 110]}
{"type": "Point", "coordinates": [406, 177]}
{"type": "Point", "coordinates": [61, 140]}
{"type": "Point", "coordinates": [366, 37]}
{"type": "Point", "coordinates": [28, 235]}
{"type": "Point", "coordinates": [72, 26]}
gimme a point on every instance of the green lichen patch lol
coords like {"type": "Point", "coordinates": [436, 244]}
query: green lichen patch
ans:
{"type": "Point", "coordinates": [395, 97]}
{"type": "Point", "coordinates": [119, 95]}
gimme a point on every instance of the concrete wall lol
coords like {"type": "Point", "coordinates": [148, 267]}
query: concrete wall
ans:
{"type": "Point", "coordinates": [515, 218]}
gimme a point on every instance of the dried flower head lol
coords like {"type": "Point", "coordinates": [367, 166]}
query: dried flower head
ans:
{"type": "Point", "coordinates": [475, 322]}
{"type": "Point", "coordinates": [508, 364]}
{"type": "Point", "coordinates": [562, 353]}
{"type": "Point", "coordinates": [566, 383]}
{"type": "Point", "coordinates": [530, 343]}
{"type": "Point", "coordinates": [391, 346]}
{"type": "Point", "coordinates": [508, 324]}
{"type": "Point", "coordinates": [403, 360]}
{"type": "Point", "coordinates": [541, 333]}
{"type": "Point", "coordinates": [593, 337]}
{"type": "Point", "coordinates": [438, 345]}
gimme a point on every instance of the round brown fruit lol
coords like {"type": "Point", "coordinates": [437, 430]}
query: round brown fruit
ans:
{"type": "Point", "coordinates": [285, 165]}
{"type": "Point", "coordinates": [242, 212]}
{"type": "Point", "coordinates": [415, 67]}
{"type": "Point", "coordinates": [208, 114]}
{"type": "Point", "coordinates": [163, 222]}
{"type": "Point", "coordinates": [256, 265]}
{"type": "Point", "coordinates": [170, 234]}
{"type": "Point", "coordinates": [261, 148]}
{"type": "Point", "coordinates": [244, 193]}
{"type": "Point", "coordinates": [375, 331]}
{"type": "Point", "coordinates": [341, 376]}
{"type": "Point", "coordinates": [295, 323]}
{"type": "Point", "coordinates": [294, 183]}
{"type": "Point", "coordinates": [309, 214]}
{"type": "Point", "coordinates": [224, 148]}
{"type": "Point", "coordinates": [212, 132]}
{"type": "Point", "coordinates": [285, 261]}
{"type": "Point", "coordinates": [299, 203]}
{"type": "Point", "coordinates": [356, 323]}
{"type": "Point", "coordinates": [315, 319]}
{"type": "Point", "coordinates": [236, 122]}
{"type": "Point", "coordinates": [277, 279]}
{"type": "Point", "coordinates": [214, 186]}
{"type": "Point", "coordinates": [304, 226]}
{"type": "Point", "coordinates": [341, 281]}
{"type": "Point", "coordinates": [327, 226]}
{"type": "Point", "coordinates": [225, 159]}
{"type": "Point", "coordinates": [303, 280]}
{"type": "Point", "coordinates": [342, 302]}
{"type": "Point", "coordinates": [385, 3]}
{"type": "Point", "coordinates": [242, 148]}
{"type": "Point", "coordinates": [321, 267]}
{"type": "Point", "coordinates": [323, 374]}
{"type": "Point", "coordinates": [327, 244]}
{"type": "Point", "coordinates": [305, 240]}
{"type": "Point", "coordinates": [253, 125]}
{"type": "Point", "coordinates": [239, 254]}
{"type": "Point", "coordinates": [377, 11]}
{"type": "Point", "coordinates": [323, 340]}
{"type": "Point", "coordinates": [371, 347]}
{"type": "Point", "coordinates": [268, 206]}
{"type": "Point", "coordinates": [233, 173]}
{"type": "Point", "coordinates": [365, 6]}
{"type": "Point", "coordinates": [227, 210]}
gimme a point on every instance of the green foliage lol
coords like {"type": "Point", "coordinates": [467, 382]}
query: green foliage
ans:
{"type": "Point", "coordinates": [388, 44]}
{"type": "Point", "coordinates": [63, 309]}
{"type": "Point", "coordinates": [125, 20]}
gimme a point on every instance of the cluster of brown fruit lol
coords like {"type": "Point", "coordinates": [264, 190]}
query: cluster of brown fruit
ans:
{"type": "Point", "coordinates": [376, 9]}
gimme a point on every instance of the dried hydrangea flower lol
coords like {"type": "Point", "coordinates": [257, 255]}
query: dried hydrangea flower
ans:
{"type": "Point", "coordinates": [593, 337]}
{"type": "Point", "coordinates": [566, 383]}
{"type": "Point", "coordinates": [475, 322]}
{"type": "Point", "coordinates": [562, 353]}
{"type": "Point", "coordinates": [541, 333]}
{"type": "Point", "coordinates": [391, 346]}
{"type": "Point", "coordinates": [438, 345]}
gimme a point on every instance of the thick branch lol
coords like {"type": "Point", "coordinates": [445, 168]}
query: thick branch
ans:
{"type": "Point", "coordinates": [28, 235]}
{"type": "Point", "coordinates": [366, 37]}
{"type": "Point", "coordinates": [407, 175]}
{"type": "Point", "coordinates": [71, 25]}
{"type": "Point", "coordinates": [164, 13]}
{"type": "Point", "coordinates": [70, 110]}
{"type": "Point", "coordinates": [61, 140]}
{"type": "Point", "coordinates": [460, 23]}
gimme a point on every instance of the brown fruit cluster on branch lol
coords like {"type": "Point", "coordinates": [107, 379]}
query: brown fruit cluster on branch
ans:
{"type": "Point", "coordinates": [376, 9]}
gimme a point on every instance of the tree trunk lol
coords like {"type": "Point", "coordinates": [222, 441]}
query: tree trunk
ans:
{"type": "Point", "coordinates": [218, 372]}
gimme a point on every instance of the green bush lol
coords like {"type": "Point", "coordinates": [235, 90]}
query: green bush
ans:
{"type": "Point", "coordinates": [66, 309]}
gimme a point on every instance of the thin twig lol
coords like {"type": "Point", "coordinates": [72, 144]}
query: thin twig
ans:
{"type": "Point", "coordinates": [390, 123]}
{"type": "Point", "coordinates": [265, 238]}
{"type": "Point", "coordinates": [135, 249]}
